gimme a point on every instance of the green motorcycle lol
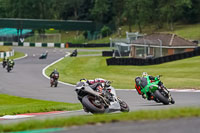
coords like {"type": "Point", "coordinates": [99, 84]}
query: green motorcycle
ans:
{"type": "Point", "coordinates": [154, 90]}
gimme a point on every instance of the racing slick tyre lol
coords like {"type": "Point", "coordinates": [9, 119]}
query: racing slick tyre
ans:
{"type": "Point", "coordinates": [56, 84]}
{"type": "Point", "coordinates": [90, 104]}
{"type": "Point", "coordinates": [161, 98]}
{"type": "Point", "coordinates": [172, 101]}
{"type": "Point", "coordinates": [124, 106]}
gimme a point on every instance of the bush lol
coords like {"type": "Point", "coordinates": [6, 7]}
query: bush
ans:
{"type": "Point", "coordinates": [105, 31]}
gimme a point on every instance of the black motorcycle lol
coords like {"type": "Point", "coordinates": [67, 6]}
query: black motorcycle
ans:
{"type": "Point", "coordinates": [9, 67]}
{"type": "Point", "coordinates": [54, 80]}
{"type": "Point", "coordinates": [4, 64]}
{"type": "Point", "coordinates": [74, 53]}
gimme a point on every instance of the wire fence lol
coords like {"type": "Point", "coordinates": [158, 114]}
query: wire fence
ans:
{"type": "Point", "coordinates": [43, 38]}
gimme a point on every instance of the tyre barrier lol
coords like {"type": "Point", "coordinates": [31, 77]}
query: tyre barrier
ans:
{"type": "Point", "coordinates": [107, 53]}
{"type": "Point", "coordinates": [152, 61]}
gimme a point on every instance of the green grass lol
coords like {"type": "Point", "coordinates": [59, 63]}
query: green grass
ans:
{"type": "Point", "coordinates": [172, 113]}
{"type": "Point", "coordinates": [5, 48]}
{"type": "Point", "coordinates": [17, 55]}
{"type": "Point", "coordinates": [93, 48]}
{"type": "Point", "coordinates": [190, 32]}
{"type": "Point", "coordinates": [89, 52]}
{"type": "Point", "coordinates": [177, 74]}
{"type": "Point", "coordinates": [10, 105]}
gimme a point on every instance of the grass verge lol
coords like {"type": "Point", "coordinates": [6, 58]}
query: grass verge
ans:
{"type": "Point", "coordinates": [17, 55]}
{"type": "Point", "coordinates": [89, 52]}
{"type": "Point", "coordinates": [10, 105]}
{"type": "Point", "coordinates": [105, 118]}
{"type": "Point", "coordinates": [5, 48]}
{"type": "Point", "coordinates": [177, 74]}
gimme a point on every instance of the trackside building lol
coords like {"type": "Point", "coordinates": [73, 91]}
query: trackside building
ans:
{"type": "Point", "coordinates": [160, 44]}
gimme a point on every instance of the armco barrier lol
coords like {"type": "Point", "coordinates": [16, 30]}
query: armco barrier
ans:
{"type": "Point", "coordinates": [152, 61]}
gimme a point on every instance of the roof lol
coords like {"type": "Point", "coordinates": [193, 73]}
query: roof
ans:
{"type": "Point", "coordinates": [169, 40]}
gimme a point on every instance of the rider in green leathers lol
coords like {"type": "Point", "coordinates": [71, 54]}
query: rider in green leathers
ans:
{"type": "Point", "coordinates": [144, 83]}
{"type": "Point", "coordinates": [11, 63]}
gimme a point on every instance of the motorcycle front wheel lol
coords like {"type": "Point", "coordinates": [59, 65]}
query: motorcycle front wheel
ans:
{"type": "Point", "coordinates": [124, 106]}
{"type": "Point", "coordinates": [161, 98]}
{"type": "Point", "coordinates": [89, 102]}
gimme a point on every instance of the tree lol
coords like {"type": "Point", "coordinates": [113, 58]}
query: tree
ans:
{"type": "Point", "coordinates": [71, 9]}
{"type": "Point", "coordinates": [173, 9]}
{"type": "Point", "coordinates": [137, 12]}
{"type": "Point", "coordinates": [118, 9]}
{"type": "Point", "coordinates": [101, 9]}
{"type": "Point", "coordinates": [191, 14]}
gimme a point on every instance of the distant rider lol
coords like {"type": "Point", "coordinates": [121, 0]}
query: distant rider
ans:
{"type": "Point", "coordinates": [11, 63]}
{"type": "Point", "coordinates": [74, 53]}
{"type": "Point", "coordinates": [52, 75]}
{"type": "Point", "coordinates": [4, 62]}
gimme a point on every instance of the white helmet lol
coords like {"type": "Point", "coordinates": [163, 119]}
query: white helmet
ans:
{"type": "Point", "coordinates": [144, 74]}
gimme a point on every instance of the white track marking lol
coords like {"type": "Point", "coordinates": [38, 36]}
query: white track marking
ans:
{"type": "Point", "coordinates": [20, 57]}
{"type": "Point", "coordinates": [43, 71]}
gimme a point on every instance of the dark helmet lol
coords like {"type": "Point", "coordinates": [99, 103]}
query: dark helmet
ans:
{"type": "Point", "coordinates": [55, 71]}
{"type": "Point", "coordinates": [137, 81]}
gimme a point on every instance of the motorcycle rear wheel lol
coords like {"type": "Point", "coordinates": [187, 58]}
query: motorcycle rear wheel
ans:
{"type": "Point", "coordinates": [8, 70]}
{"type": "Point", "coordinates": [89, 103]}
{"type": "Point", "coordinates": [56, 84]}
{"type": "Point", "coordinates": [161, 98]}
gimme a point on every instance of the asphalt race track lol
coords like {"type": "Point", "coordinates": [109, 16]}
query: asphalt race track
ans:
{"type": "Point", "coordinates": [26, 80]}
{"type": "Point", "coordinates": [186, 125]}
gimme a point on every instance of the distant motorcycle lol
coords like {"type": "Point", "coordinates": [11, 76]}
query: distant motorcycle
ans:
{"type": "Point", "coordinates": [54, 80]}
{"type": "Point", "coordinates": [4, 64]}
{"type": "Point", "coordinates": [96, 102]}
{"type": "Point", "coordinates": [43, 56]}
{"type": "Point", "coordinates": [9, 67]}
{"type": "Point", "coordinates": [74, 53]}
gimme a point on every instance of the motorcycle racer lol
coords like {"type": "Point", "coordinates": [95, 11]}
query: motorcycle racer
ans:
{"type": "Point", "coordinates": [146, 81]}
{"type": "Point", "coordinates": [54, 75]}
{"type": "Point", "coordinates": [98, 84]}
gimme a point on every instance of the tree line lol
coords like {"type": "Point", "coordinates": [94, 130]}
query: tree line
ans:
{"type": "Point", "coordinates": [114, 12]}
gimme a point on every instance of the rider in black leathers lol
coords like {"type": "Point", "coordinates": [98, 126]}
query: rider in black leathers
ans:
{"type": "Point", "coordinates": [53, 73]}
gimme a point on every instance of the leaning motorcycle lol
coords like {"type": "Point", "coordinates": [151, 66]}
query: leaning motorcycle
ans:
{"type": "Point", "coordinates": [158, 93]}
{"type": "Point", "coordinates": [54, 80]}
{"type": "Point", "coordinates": [9, 67]}
{"type": "Point", "coordinates": [4, 64]}
{"type": "Point", "coordinates": [95, 101]}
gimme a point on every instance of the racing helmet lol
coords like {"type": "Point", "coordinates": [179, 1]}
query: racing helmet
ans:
{"type": "Point", "coordinates": [83, 80]}
{"type": "Point", "coordinates": [144, 74]}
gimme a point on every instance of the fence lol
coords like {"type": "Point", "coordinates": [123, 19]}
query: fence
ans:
{"type": "Point", "coordinates": [152, 61]}
{"type": "Point", "coordinates": [60, 45]}
{"type": "Point", "coordinates": [88, 45]}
